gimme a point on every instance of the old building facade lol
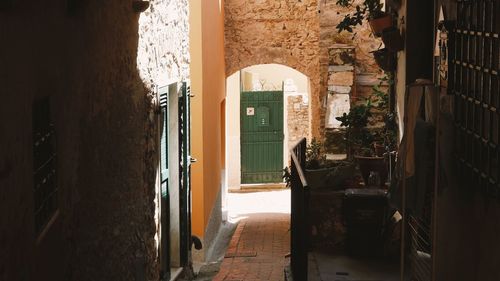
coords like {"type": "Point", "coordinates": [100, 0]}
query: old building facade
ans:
{"type": "Point", "coordinates": [98, 65]}
{"type": "Point", "coordinates": [80, 164]}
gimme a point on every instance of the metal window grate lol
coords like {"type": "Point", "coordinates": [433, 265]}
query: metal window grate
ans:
{"type": "Point", "coordinates": [44, 166]}
{"type": "Point", "coordinates": [474, 80]}
{"type": "Point", "coordinates": [421, 249]}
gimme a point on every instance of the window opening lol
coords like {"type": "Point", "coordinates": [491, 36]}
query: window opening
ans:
{"type": "Point", "coordinates": [44, 164]}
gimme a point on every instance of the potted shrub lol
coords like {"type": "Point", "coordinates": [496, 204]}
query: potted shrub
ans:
{"type": "Point", "coordinates": [368, 145]}
{"type": "Point", "coordinates": [370, 10]}
{"type": "Point", "coordinates": [323, 173]}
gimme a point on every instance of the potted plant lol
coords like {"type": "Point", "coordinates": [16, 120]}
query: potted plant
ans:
{"type": "Point", "coordinates": [370, 10]}
{"type": "Point", "coordinates": [368, 145]}
{"type": "Point", "coordinates": [323, 173]}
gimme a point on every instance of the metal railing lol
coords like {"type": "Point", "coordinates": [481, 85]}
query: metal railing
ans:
{"type": "Point", "coordinates": [420, 250]}
{"type": "Point", "coordinates": [299, 213]}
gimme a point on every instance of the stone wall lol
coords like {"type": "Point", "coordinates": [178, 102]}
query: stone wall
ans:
{"type": "Point", "coordinates": [270, 31]}
{"type": "Point", "coordinates": [362, 40]}
{"type": "Point", "coordinates": [98, 62]}
{"type": "Point", "coordinates": [340, 83]}
{"type": "Point", "coordinates": [340, 92]}
{"type": "Point", "coordinates": [296, 34]}
{"type": "Point", "coordinates": [297, 119]}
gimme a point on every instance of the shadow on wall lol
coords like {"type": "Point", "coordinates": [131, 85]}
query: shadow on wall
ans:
{"type": "Point", "coordinates": [103, 112]}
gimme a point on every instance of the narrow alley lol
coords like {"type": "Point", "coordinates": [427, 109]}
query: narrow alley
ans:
{"type": "Point", "coordinates": [261, 240]}
{"type": "Point", "coordinates": [245, 140]}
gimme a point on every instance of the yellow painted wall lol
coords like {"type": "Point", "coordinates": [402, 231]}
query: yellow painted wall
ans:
{"type": "Point", "coordinates": [208, 86]}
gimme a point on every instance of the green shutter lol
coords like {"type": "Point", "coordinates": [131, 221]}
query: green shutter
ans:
{"type": "Point", "coordinates": [163, 92]}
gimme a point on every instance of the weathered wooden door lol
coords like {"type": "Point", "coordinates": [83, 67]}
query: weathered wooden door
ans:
{"type": "Point", "coordinates": [261, 137]}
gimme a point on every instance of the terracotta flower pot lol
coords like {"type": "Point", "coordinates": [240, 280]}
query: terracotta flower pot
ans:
{"type": "Point", "coordinates": [379, 24]}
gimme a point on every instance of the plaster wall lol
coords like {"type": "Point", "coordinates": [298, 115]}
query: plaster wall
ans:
{"type": "Point", "coordinates": [233, 132]}
{"type": "Point", "coordinates": [273, 76]}
{"type": "Point", "coordinates": [173, 180]}
{"type": "Point", "coordinates": [415, 21]}
{"type": "Point", "coordinates": [98, 62]}
{"type": "Point", "coordinates": [208, 86]}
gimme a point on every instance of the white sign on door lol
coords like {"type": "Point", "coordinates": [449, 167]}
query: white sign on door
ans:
{"type": "Point", "coordinates": [250, 111]}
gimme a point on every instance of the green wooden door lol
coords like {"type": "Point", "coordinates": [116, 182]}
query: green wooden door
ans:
{"type": "Point", "coordinates": [261, 137]}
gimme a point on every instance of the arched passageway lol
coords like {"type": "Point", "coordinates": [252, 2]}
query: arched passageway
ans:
{"type": "Point", "coordinates": [287, 34]}
{"type": "Point", "coordinates": [251, 156]}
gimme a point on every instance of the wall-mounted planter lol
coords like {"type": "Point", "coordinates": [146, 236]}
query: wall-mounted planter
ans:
{"type": "Point", "coordinates": [379, 24]}
{"type": "Point", "coordinates": [385, 59]}
{"type": "Point", "coordinates": [392, 39]}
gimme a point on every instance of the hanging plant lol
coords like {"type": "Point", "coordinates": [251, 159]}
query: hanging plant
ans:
{"type": "Point", "coordinates": [370, 10]}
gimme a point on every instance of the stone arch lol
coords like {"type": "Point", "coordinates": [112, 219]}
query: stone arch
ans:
{"type": "Point", "coordinates": [296, 108]}
{"type": "Point", "coordinates": [266, 57]}
{"type": "Point", "coordinates": [267, 32]}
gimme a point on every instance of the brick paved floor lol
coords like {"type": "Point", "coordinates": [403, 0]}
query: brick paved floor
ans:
{"type": "Point", "coordinates": [258, 247]}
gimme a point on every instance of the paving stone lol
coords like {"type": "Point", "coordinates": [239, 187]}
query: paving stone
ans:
{"type": "Point", "coordinates": [265, 235]}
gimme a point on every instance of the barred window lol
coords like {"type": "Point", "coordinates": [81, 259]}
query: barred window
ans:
{"type": "Point", "coordinates": [44, 164]}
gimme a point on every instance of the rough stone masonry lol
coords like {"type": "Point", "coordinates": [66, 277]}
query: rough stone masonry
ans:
{"type": "Point", "coordinates": [297, 34]}
{"type": "Point", "coordinates": [271, 31]}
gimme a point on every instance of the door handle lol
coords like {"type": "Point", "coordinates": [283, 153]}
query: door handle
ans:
{"type": "Point", "coordinates": [193, 160]}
